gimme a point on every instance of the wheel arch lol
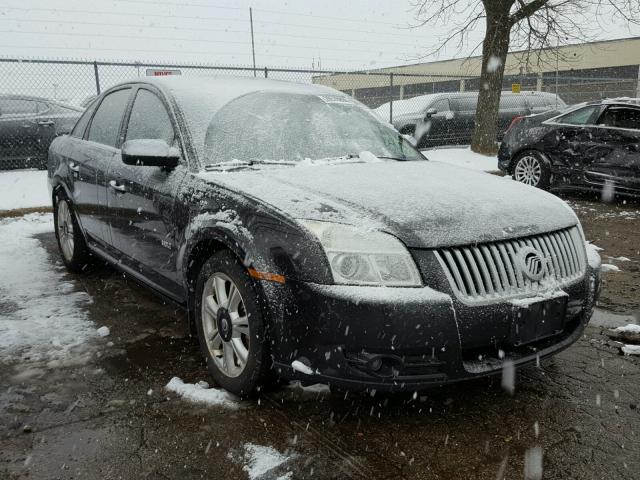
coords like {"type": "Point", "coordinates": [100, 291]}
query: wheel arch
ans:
{"type": "Point", "coordinates": [199, 248]}
{"type": "Point", "coordinates": [57, 185]}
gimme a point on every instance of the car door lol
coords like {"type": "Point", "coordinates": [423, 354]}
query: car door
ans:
{"type": "Point", "coordinates": [18, 130]}
{"type": "Point", "coordinates": [46, 127]}
{"type": "Point", "coordinates": [91, 161]}
{"type": "Point", "coordinates": [437, 122]}
{"type": "Point", "coordinates": [572, 143]}
{"type": "Point", "coordinates": [618, 133]}
{"type": "Point", "coordinates": [464, 107]}
{"type": "Point", "coordinates": [141, 198]}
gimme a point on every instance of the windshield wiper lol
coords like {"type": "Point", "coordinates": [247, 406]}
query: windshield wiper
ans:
{"type": "Point", "coordinates": [238, 164]}
{"type": "Point", "coordinates": [393, 158]}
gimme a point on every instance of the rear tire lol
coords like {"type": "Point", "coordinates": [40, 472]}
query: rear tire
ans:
{"type": "Point", "coordinates": [231, 330]}
{"type": "Point", "coordinates": [531, 168]}
{"type": "Point", "coordinates": [73, 248]}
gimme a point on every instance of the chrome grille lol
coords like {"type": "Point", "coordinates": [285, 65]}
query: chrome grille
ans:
{"type": "Point", "coordinates": [491, 270]}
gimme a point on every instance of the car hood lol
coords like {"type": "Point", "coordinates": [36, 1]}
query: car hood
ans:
{"type": "Point", "coordinates": [426, 204]}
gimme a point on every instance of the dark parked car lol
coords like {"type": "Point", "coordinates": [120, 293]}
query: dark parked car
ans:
{"type": "Point", "coordinates": [309, 240]}
{"type": "Point", "coordinates": [27, 127]}
{"type": "Point", "coordinates": [588, 147]}
{"type": "Point", "coordinates": [448, 118]}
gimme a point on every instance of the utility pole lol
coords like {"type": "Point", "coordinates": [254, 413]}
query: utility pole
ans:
{"type": "Point", "coordinates": [253, 45]}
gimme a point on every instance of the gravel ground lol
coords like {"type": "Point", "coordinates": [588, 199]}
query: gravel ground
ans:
{"type": "Point", "coordinates": [576, 416]}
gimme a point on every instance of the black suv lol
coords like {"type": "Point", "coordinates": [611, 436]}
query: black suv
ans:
{"type": "Point", "coordinates": [592, 146]}
{"type": "Point", "coordinates": [448, 118]}
{"type": "Point", "coordinates": [27, 127]}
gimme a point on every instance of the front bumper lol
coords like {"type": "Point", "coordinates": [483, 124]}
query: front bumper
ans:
{"type": "Point", "coordinates": [394, 339]}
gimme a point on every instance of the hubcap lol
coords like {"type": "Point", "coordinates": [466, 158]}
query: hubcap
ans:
{"type": "Point", "coordinates": [528, 170]}
{"type": "Point", "coordinates": [225, 324]}
{"type": "Point", "coordinates": [65, 230]}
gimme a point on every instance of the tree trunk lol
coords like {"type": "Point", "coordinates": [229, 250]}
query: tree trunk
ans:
{"type": "Point", "coordinates": [494, 54]}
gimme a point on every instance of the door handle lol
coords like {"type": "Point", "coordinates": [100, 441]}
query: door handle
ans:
{"type": "Point", "coordinates": [120, 188]}
{"type": "Point", "coordinates": [74, 167]}
{"type": "Point", "coordinates": [45, 123]}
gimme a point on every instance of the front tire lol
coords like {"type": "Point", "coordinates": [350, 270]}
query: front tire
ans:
{"type": "Point", "coordinates": [73, 248]}
{"type": "Point", "coordinates": [231, 329]}
{"type": "Point", "coordinates": [531, 168]}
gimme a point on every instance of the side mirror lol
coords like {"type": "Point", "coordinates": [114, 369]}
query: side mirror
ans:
{"type": "Point", "coordinates": [431, 112]}
{"type": "Point", "coordinates": [150, 153]}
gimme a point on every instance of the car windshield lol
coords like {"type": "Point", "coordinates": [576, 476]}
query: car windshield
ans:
{"type": "Point", "coordinates": [286, 127]}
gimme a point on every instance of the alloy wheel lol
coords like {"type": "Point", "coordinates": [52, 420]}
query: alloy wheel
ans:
{"type": "Point", "coordinates": [225, 324]}
{"type": "Point", "coordinates": [528, 170]}
{"type": "Point", "coordinates": [65, 230]}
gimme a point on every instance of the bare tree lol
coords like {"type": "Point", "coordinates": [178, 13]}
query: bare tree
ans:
{"type": "Point", "coordinates": [530, 25]}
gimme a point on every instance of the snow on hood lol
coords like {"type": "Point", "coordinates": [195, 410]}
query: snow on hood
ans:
{"type": "Point", "coordinates": [425, 204]}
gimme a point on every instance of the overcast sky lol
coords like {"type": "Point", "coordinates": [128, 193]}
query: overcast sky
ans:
{"type": "Point", "coordinates": [339, 33]}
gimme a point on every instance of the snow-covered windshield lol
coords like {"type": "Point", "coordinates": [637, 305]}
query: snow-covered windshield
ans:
{"type": "Point", "coordinates": [289, 127]}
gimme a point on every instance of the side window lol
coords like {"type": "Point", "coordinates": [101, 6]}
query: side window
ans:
{"type": "Point", "coordinates": [17, 106]}
{"type": "Point", "coordinates": [105, 125]}
{"type": "Point", "coordinates": [441, 105]}
{"type": "Point", "coordinates": [81, 124]}
{"type": "Point", "coordinates": [621, 117]}
{"type": "Point", "coordinates": [43, 108]}
{"type": "Point", "coordinates": [465, 104]}
{"type": "Point", "coordinates": [537, 102]}
{"type": "Point", "coordinates": [582, 116]}
{"type": "Point", "coordinates": [149, 119]}
{"type": "Point", "coordinates": [512, 102]}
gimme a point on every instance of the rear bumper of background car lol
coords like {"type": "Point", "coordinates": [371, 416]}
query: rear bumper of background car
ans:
{"type": "Point", "coordinates": [391, 339]}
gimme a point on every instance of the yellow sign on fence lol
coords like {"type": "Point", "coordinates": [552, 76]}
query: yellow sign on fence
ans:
{"type": "Point", "coordinates": [515, 88]}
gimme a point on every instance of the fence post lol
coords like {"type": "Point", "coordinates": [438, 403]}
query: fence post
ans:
{"type": "Point", "coordinates": [95, 71]}
{"type": "Point", "coordinates": [266, 72]}
{"type": "Point", "coordinates": [391, 97]}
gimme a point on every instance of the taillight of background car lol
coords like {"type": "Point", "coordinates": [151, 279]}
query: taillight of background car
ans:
{"type": "Point", "coordinates": [514, 122]}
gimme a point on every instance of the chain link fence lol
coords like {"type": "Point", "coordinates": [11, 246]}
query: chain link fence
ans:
{"type": "Point", "coordinates": [42, 98]}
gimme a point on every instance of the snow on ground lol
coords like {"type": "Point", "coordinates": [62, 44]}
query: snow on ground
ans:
{"type": "Point", "coordinates": [609, 267]}
{"type": "Point", "coordinates": [201, 393]}
{"type": "Point", "coordinates": [316, 388]}
{"type": "Point", "coordinates": [631, 349]}
{"type": "Point", "coordinates": [42, 319]}
{"type": "Point", "coordinates": [262, 462]}
{"type": "Point", "coordinates": [629, 328]}
{"type": "Point", "coordinates": [23, 189]}
{"type": "Point", "coordinates": [462, 157]}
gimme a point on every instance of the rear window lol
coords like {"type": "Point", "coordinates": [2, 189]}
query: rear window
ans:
{"type": "Point", "coordinates": [582, 116]}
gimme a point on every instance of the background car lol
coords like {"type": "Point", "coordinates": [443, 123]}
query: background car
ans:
{"type": "Point", "coordinates": [448, 118]}
{"type": "Point", "coordinates": [589, 147]}
{"type": "Point", "coordinates": [27, 127]}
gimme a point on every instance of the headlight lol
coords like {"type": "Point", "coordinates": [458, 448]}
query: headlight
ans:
{"type": "Point", "coordinates": [361, 257]}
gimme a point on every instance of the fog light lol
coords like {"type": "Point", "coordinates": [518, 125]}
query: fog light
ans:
{"type": "Point", "coordinates": [375, 364]}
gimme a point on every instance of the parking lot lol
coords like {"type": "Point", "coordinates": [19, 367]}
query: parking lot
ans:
{"type": "Point", "coordinates": [107, 413]}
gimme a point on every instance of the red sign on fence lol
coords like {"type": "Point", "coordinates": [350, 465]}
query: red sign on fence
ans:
{"type": "Point", "coordinates": [152, 72]}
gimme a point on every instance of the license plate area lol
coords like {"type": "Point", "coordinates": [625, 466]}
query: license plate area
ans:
{"type": "Point", "coordinates": [538, 320]}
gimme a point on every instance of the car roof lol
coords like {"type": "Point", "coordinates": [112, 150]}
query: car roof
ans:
{"type": "Point", "coordinates": [11, 96]}
{"type": "Point", "coordinates": [221, 90]}
{"type": "Point", "coordinates": [619, 100]}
